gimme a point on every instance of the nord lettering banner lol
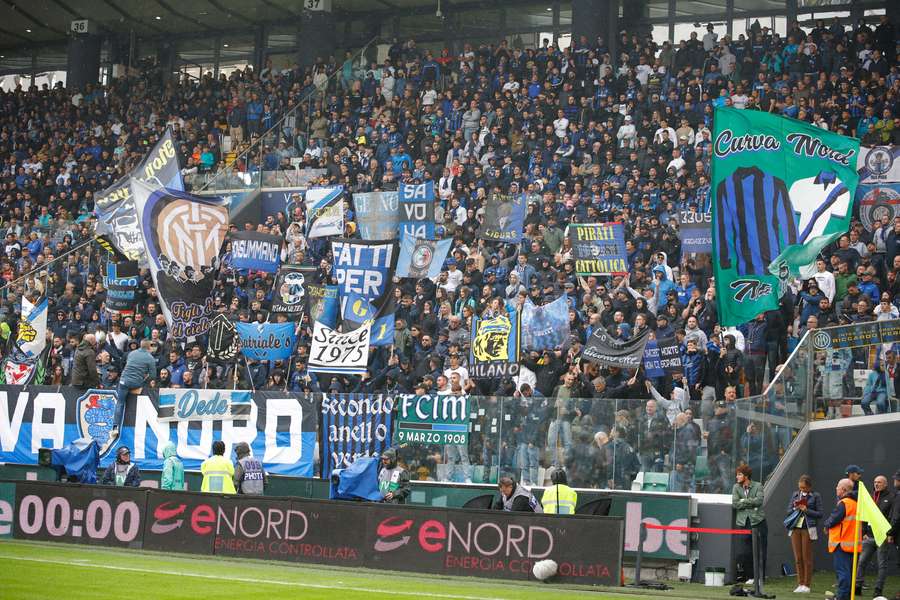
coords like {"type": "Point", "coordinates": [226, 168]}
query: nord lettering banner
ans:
{"type": "Point", "coordinates": [203, 405]}
{"type": "Point", "coordinates": [695, 232]}
{"type": "Point", "coordinates": [255, 251]}
{"type": "Point", "coordinates": [482, 542]}
{"type": "Point", "coordinates": [354, 426]}
{"type": "Point", "coordinates": [290, 290]}
{"type": "Point", "coordinates": [280, 428]}
{"type": "Point", "coordinates": [782, 190]}
{"type": "Point", "coordinates": [495, 347]}
{"type": "Point", "coordinates": [433, 419]}
{"type": "Point", "coordinates": [417, 210]}
{"type": "Point", "coordinates": [267, 341]}
{"type": "Point", "coordinates": [366, 268]}
{"type": "Point", "coordinates": [606, 350]}
{"type": "Point", "coordinates": [599, 249]}
{"type": "Point", "coordinates": [182, 235]}
{"type": "Point", "coordinates": [121, 287]}
{"type": "Point", "coordinates": [339, 353]}
{"type": "Point", "coordinates": [504, 218]}
{"type": "Point", "coordinates": [324, 212]}
{"type": "Point", "coordinates": [377, 215]}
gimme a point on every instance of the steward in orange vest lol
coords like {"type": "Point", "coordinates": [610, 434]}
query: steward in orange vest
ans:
{"type": "Point", "coordinates": [843, 537]}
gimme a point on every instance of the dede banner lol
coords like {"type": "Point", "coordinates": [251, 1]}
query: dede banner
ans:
{"type": "Point", "coordinates": [280, 427]}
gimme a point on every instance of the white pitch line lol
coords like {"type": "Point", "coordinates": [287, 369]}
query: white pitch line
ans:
{"type": "Point", "coordinates": [321, 586]}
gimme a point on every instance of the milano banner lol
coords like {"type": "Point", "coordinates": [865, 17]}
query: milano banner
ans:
{"type": "Point", "coordinates": [280, 428]}
{"type": "Point", "coordinates": [443, 541]}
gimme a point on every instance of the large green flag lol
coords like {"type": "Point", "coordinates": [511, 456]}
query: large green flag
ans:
{"type": "Point", "coordinates": [782, 190]}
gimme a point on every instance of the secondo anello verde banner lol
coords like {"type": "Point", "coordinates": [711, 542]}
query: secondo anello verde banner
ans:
{"type": "Point", "coordinates": [433, 419]}
{"type": "Point", "coordinates": [782, 191]}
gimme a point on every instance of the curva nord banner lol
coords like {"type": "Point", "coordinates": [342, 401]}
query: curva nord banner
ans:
{"type": "Point", "coordinates": [279, 426]}
{"type": "Point", "coordinates": [442, 541]}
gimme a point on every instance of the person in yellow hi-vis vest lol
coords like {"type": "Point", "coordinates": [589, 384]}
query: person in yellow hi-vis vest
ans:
{"type": "Point", "coordinates": [559, 498]}
{"type": "Point", "coordinates": [218, 471]}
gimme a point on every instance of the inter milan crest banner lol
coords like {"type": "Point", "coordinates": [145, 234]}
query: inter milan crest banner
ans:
{"type": "Point", "coordinates": [782, 190]}
{"type": "Point", "coordinates": [117, 223]}
{"type": "Point", "coordinates": [606, 350]}
{"type": "Point", "coordinates": [495, 347]}
{"type": "Point", "coordinates": [182, 235]}
{"type": "Point", "coordinates": [366, 268]}
{"type": "Point", "coordinates": [255, 251]}
{"type": "Point", "coordinates": [504, 218]}
{"type": "Point", "coordinates": [290, 290]}
{"type": "Point", "coordinates": [377, 215]}
{"type": "Point", "coordinates": [417, 210]}
{"type": "Point", "coordinates": [324, 211]}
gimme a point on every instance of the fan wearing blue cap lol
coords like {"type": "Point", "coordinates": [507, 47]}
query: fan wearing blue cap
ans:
{"type": "Point", "coordinates": [854, 474]}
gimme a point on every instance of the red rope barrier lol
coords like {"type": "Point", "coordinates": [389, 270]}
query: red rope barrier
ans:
{"type": "Point", "coordinates": [698, 529]}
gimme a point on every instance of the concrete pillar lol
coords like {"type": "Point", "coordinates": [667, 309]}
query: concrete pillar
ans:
{"type": "Point", "coordinates": [593, 18]}
{"type": "Point", "coordinates": [316, 38]}
{"type": "Point", "coordinates": [83, 60]}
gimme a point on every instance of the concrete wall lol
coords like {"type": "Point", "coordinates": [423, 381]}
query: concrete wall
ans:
{"type": "Point", "coordinates": [823, 451]}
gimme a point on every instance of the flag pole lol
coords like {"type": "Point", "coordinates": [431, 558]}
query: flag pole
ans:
{"type": "Point", "coordinates": [856, 545]}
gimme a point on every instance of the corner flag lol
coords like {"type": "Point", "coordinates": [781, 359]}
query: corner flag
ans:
{"type": "Point", "coordinates": [868, 511]}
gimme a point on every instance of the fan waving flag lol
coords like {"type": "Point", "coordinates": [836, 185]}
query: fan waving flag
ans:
{"type": "Point", "coordinates": [782, 191]}
{"type": "Point", "coordinates": [868, 511]}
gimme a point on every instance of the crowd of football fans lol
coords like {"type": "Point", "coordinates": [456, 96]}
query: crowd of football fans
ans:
{"type": "Point", "coordinates": [585, 136]}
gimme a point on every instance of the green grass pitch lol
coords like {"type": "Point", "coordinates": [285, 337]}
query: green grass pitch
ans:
{"type": "Point", "coordinates": [43, 571]}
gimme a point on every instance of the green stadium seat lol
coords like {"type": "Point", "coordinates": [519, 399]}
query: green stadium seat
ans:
{"type": "Point", "coordinates": [655, 482]}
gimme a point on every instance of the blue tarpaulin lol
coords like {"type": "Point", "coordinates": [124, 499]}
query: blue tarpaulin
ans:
{"type": "Point", "coordinates": [359, 481]}
{"type": "Point", "coordinates": [80, 460]}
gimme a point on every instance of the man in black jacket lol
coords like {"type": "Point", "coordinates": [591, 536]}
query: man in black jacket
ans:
{"type": "Point", "coordinates": [884, 498]}
{"type": "Point", "coordinates": [84, 365]}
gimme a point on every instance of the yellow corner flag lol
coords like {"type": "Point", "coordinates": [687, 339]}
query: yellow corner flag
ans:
{"type": "Point", "coordinates": [868, 511]}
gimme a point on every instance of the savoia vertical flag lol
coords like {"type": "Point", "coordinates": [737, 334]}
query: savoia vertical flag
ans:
{"type": "Point", "coordinates": [782, 190]}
